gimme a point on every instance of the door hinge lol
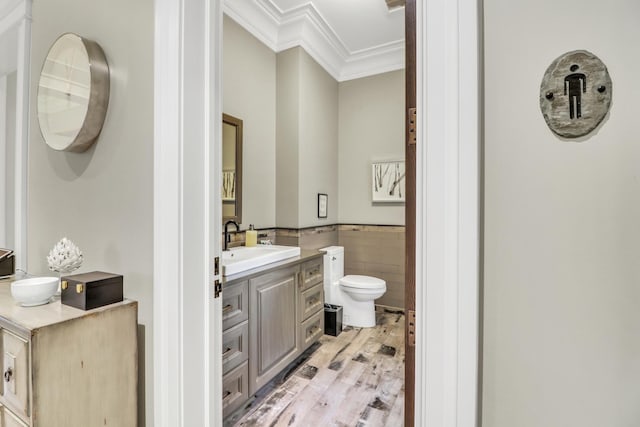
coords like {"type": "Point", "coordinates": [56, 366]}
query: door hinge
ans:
{"type": "Point", "coordinates": [411, 328]}
{"type": "Point", "coordinates": [412, 126]}
{"type": "Point", "coordinates": [216, 266]}
{"type": "Point", "coordinates": [217, 289]}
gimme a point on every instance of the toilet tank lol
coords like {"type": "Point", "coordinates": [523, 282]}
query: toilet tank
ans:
{"type": "Point", "coordinates": [333, 264]}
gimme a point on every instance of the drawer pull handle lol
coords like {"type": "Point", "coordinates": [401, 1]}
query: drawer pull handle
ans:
{"type": "Point", "coordinates": [312, 331]}
{"type": "Point", "coordinates": [227, 308]}
{"type": "Point", "coordinates": [8, 374]}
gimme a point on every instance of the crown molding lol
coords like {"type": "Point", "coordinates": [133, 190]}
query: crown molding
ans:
{"type": "Point", "coordinates": [305, 26]}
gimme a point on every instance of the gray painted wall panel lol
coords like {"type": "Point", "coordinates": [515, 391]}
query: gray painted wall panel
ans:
{"type": "Point", "coordinates": [561, 294]}
{"type": "Point", "coordinates": [101, 199]}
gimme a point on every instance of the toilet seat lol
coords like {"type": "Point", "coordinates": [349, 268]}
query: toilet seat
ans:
{"type": "Point", "coordinates": [362, 282]}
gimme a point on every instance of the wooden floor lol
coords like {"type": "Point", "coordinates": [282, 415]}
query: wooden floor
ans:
{"type": "Point", "coordinates": [355, 379]}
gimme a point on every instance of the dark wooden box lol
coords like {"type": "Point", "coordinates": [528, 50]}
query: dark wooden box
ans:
{"type": "Point", "coordinates": [7, 266]}
{"type": "Point", "coordinates": [91, 290]}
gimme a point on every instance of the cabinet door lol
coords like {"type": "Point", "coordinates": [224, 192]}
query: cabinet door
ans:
{"type": "Point", "coordinates": [312, 273]}
{"type": "Point", "coordinates": [235, 346]}
{"type": "Point", "coordinates": [311, 330]}
{"type": "Point", "coordinates": [235, 304]}
{"type": "Point", "coordinates": [311, 301]}
{"type": "Point", "coordinates": [234, 389]}
{"type": "Point", "coordinates": [9, 419]}
{"type": "Point", "coordinates": [273, 324]}
{"type": "Point", "coordinates": [15, 372]}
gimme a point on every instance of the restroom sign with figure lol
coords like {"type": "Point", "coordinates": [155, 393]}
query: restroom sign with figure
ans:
{"type": "Point", "coordinates": [575, 94]}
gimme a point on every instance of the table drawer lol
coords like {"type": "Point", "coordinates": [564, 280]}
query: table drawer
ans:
{"type": "Point", "coordinates": [311, 329]}
{"type": "Point", "coordinates": [235, 346]}
{"type": "Point", "coordinates": [15, 371]}
{"type": "Point", "coordinates": [235, 389]}
{"type": "Point", "coordinates": [235, 304]}
{"type": "Point", "coordinates": [311, 301]}
{"type": "Point", "coordinates": [312, 273]}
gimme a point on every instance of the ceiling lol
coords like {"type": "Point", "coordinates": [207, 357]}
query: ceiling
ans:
{"type": "Point", "coordinates": [349, 38]}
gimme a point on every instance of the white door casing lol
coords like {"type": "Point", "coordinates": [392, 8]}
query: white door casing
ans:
{"type": "Point", "coordinates": [187, 59]}
{"type": "Point", "coordinates": [447, 212]}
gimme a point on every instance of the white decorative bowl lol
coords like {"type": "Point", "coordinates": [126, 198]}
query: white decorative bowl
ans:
{"type": "Point", "coordinates": [34, 291]}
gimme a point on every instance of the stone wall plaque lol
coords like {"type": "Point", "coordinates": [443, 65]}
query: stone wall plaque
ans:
{"type": "Point", "coordinates": [575, 94]}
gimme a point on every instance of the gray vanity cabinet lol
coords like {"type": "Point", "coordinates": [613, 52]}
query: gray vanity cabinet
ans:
{"type": "Point", "coordinates": [269, 318]}
{"type": "Point", "coordinates": [273, 326]}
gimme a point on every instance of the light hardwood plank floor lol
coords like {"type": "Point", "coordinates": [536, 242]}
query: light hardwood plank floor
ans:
{"type": "Point", "coordinates": [354, 380]}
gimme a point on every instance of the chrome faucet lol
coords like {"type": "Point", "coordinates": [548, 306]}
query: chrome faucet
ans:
{"type": "Point", "coordinates": [227, 236]}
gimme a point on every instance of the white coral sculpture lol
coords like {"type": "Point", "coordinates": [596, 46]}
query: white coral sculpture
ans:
{"type": "Point", "coordinates": [65, 257]}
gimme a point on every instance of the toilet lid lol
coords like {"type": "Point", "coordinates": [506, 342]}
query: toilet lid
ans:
{"type": "Point", "coordinates": [356, 281]}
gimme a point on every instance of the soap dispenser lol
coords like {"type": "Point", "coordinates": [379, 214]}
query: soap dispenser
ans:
{"type": "Point", "coordinates": [251, 237]}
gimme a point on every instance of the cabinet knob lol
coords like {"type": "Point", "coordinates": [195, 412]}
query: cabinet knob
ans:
{"type": "Point", "coordinates": [8, 374]}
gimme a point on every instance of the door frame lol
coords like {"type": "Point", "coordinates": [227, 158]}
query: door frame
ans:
{"type": "Point", "coordinates": [448, 212]}
{"type": "Point", "coordinates": [16, 16]}
{"type": "Point", "coordinates": [187, 362]}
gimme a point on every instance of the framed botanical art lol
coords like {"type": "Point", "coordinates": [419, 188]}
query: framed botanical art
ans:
{"type": "Point", "coordinates": [388, 181]}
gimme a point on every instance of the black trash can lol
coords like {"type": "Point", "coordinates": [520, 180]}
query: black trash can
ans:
{"type": "Point", "coordinates": [332, 319]}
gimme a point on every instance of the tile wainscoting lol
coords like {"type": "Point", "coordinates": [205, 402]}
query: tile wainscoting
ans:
{"type": "Point", "coordinates": [370, 250]}
{"type": "Point", "coordinates": [376, 250]}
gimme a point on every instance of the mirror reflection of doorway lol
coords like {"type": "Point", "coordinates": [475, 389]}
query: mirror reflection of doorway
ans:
{"type": "Point", "coordinates": [14, 82]}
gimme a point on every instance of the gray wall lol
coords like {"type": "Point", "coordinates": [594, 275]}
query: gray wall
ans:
{"type": "Point", "coordinates": [371, 129]}
{"type": "Point", "coordinates": [101, 199]}
{"type": "Point", "coordinates": [562, 294]}
{"type": "Point", "coordinates": [249, 93]}
{"type": "Point", "coordinates": [307, 140]}
{"type": "Point", "coordinates": [307, 134]}
{"type": "Point", "coordinates": [287, 150]}
{"type": "Point", "coordinates": [318, 142]}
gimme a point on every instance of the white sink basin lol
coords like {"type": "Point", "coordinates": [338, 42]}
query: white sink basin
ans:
{"type": "Point", "coordinates": [242, 258]}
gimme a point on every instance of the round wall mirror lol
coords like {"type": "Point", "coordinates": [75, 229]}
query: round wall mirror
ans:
{"type": "Point", "coordinates": [73, 93]}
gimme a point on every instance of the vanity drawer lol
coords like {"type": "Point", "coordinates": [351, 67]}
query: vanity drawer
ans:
{"type": "Point", "coordinates": [9, 419]}
{"type": "Point", "coordinates": [312, 273]}
{"type": "Point", "coordinates": [311, 301]}
{"type": "Point", "coordinates": [235, 346]}
{"type": "Point", "coordinates": [15, 372]}
{"type": "Point", "coordinates": [235, 304]}
{"type": "Point", "coordinates": [311, 329]}
{"type": "Point", "coordinates": [235, 389]}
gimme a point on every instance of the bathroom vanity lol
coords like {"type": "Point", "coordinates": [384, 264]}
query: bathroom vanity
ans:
{"type": "Point", "coordinates": [67, 367]}
{"type": "Point", "coordinates": [270, 315]}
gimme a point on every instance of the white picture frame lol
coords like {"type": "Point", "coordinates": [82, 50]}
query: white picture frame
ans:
{"type": "Point", "coordinates": [388, 181]}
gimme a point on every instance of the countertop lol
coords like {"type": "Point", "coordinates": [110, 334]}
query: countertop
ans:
{"type": "Point", "coordinates": [31, 318]}
{"type": "Point", "coordinates": [305, 255]}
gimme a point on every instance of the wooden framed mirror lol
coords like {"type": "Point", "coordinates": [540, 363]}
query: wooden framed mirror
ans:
{"type": "Point", "coordinates": [231, 168]}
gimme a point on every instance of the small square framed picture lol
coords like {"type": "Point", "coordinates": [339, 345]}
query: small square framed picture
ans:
{"type": "Point", "coordinates": [323, 200]}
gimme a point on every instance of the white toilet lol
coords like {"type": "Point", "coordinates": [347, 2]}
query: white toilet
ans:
{"type": "Point", "coordinates": [354, 293]}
